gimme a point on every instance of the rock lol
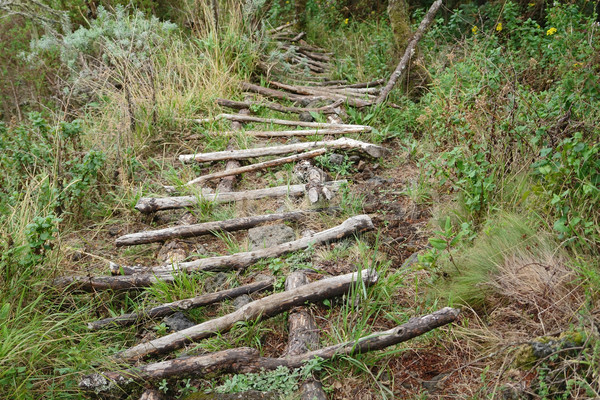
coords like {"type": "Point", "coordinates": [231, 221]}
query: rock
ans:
{"type": "Point", "coordinates": [334, 119]}
{"type": "Point", "coordinates": [178, 322]}
{"type": "Point", "coordinates": [354, 159]}
{"type": "Point", "coordinates": [187, 219]}
{"type": "Point", "coordinates": [306, 117]}
{"type": "Point", "coordinates": [173, 251]}
{"type": "Point", "coordinates": [262, 277]}
{"type": "Point", "coordinates": [241, 301]}
{"type": "Point", "coordinates": [377, 180]}
{"type": "Point", "coordinates": [215, 283]}
{"type": "Point", "coordinates": [543, 350]}
{"type": "Point", "coordinates": [336, 159]}
{"type": "Point", "coordinates": [361, 165]}
{"type": "Point", "coordinates": [410, 261]}
{"type": "Point", "coordinates": [271, 235]}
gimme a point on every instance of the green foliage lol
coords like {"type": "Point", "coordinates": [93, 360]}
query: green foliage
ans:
{"type": "Point", "coordinates": [280, 380]}
{"type": "Point", "coordinates": [525, 98]}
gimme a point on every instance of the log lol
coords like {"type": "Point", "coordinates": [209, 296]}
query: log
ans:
{"type": "Point", "coordinates": [359, 223]}
{"type": "Point", "coordinates": [249, 118]}
{"type": "Point", "coordinates": [408, 53]}
{"type": "Point", "coordinates": [304, 132]}
{"type": "Point", "coordinates": [328, 109]}
{"type": "Point", "coordinates": [375, 83]}
{"type": "Point", "coordinates": [278, 94]}
{"type": "Point", "coordinates": [186, 231]}
{"type": "Point", "coordinates": [226, 184]}
{"type": "Point", "coordinates": [315, 178]}
{"type": "Point", "coordinates": [180, 305]}
{"type": "Point", "coordinates": [341, 143]}
{"type": "Point", "coordinates": [323, 92]}
{"type": "Point", "coordinates": [257, 310]}
{"type": "Point", "coordinates": [281, 27]}
{"type": "Point", "coordinates": [246, 360]}
{"type": "Point", "coordinates": [151, 204]}
{"type": "Point", "coordinates": [303, 336]}
{"type": "Point", "coordinates": [258, 166]}
{"type": "Point", "coordinates": [141, 280]}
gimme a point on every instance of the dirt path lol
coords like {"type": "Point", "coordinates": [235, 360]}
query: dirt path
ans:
{"type": "Point", "coordinates": [288, 204]}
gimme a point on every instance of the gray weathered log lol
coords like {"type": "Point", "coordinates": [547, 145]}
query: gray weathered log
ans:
{"type": "Point", "coordinates": [359, 223]}
{"type": "Point", "coordinates": [375, 83]}
{"type": "Point", "coordinates": [186, 231]}
{"type": "Point", "coordinates": [328, 109]}
{"type": "Point", "coordinates": [258, 166]}
{"type": "Point", "coordinates": [303, 132]}
{"type": "Point", "coordinates": [246, 359]}
{"type": "Point", "coordinates": [142, 280]}
{"type": "Point", "coordinates": [226, 184]}
{"type": "Point", "coordinates": [180, 305]}
{"type": "Point", "coordinates": [341, 143]}
{"type": "Point", "coordinates": [278, 94]}
{"type": "Point", "coordinates": [285, 122]}
{"type": "Point", "coordinates": [303, 336]}
{"type": "Point", "coordinates": [321, 91]}
{"type": "Point", "coordinates": [151, 204]}
{"type": "Point", "coordinates": [408, 53]}
{"type": "Point", "coordinates": [257, 310]}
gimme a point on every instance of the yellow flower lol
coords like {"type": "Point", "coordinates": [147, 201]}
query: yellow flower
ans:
{"type": "Point", "coordinates": [531, 4]}
{"type": "Point", "coordinates": [499, 27]}
{"type": "Point", "coordinates": [474, 29]}
{"type": "Point", "coordinates": [551, 31]}
{"type": "Point", "coordinates": [346, 21]}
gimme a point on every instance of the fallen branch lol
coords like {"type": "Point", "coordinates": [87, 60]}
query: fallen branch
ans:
{"type": "Point", "coordinates": [249, 118]}
{"type": "Point", "coordinates": [303, 336]}
{"type": "Point", "coordinates": [280, 28]}
{"type": "Point", "coordinates": [180, 305]}
{"type": "Point", "coordinates": [151, 204]}
{"type": "Point", "coordinates": [257, 310]}
{"type": "Point", "coordinates": [186, 231]}
{"type": "Point", "coordinates": [226, 184]}
{"type": "Point", "coordinates": [257, 166]}
{"type": "Point", "coordinates": [351, 99]}
{"type": "Point", "coordinates": [278, 94]}
{"type": "Point", "coordinates": [328, 109]}
{"type": "Point", "coordinates": [341, 143]}
{"type": "Point", "coordinates": [371, 84]}
{"type": "Point", "coordinates": [408, 53]}
{"type": "Point", "coordinates": [238, 261]}
{"type": "Point", "coordinates": [247, 360]}
{"type": "Point", "coordinates": [304, 132]}
{"type": "Point", "coordinates": [314, 177]}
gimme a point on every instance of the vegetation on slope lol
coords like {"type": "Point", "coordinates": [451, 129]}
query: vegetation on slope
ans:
{"type": "Point", "coordinates": [504, 138]}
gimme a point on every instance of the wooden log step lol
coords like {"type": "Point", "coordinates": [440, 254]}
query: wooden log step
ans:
{"type": "Point", "coordinates": [351, 99]}
{"type": "Point", "coordinates": [257, 310]}
{"type": "Point", "coordinates": [356, 224]}
{"type": "Point", "coordinates": [257, 166]}
{"type": "Point", "coordinates": [275, 121]}
{"type": "Point", "coordinates": [375, 83]}
{"type": "Point", "coordinates": [148, 205]}
{"type": "Point", "coordinates": [229, 225]}
{"type": "Point", "coordinates": [341, 143]}
{"type": "Point", "coordinates": [240, 260]}
{"type": "Point", "coordinates": [295, 132]}
{"type": "Point", "coordinates": [328, 109]}
{"type": "Point", "coordinates": [246, 360]}
{"type": "Point", "coordinates": [180, 305]}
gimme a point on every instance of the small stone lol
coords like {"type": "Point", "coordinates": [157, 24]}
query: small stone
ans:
{"type": "Point", "coordinates": [354, 159]}
{"type": "Point", "coordinates": [542, 350]}
{"type": "Point", "coordinates": [114, 231]}
{"type": "Point", "coordinates": [410, 261]}
{"type": "Point", "coordinates": [262, 277]}
{"type": "Point", "coordinates": [377, 180]}
{"type": "Point", "coordinates": [263, 237]}
{"type": "Point", "coordinates": [361, 165]}
{"type": "Point", "coordinates": [334, 119]}
{"type": "Point", "coordinates": [178, 322]}
{"type": "Point", "coordinates": [216, 282]}
{"type": "Point", "coordinates": [336, 159]}
{"type": "Point", "coordinates": [241, 301]}
{"type": "Point", "coordinates": [306, 117]}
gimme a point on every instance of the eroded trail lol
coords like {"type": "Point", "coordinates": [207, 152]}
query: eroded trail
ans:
{"type": "Point", "coordinates": [299, 88]}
